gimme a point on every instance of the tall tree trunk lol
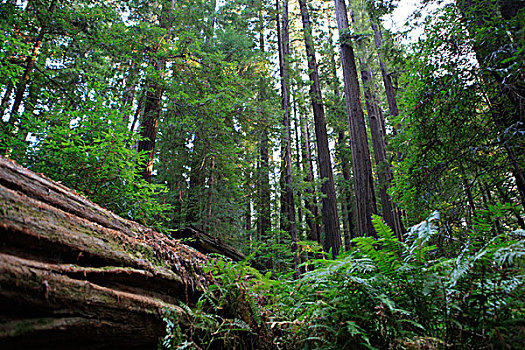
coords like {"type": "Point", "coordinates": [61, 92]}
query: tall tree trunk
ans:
{"type": "Point", "coordinates": [129, 92]}
{"type": "Point", "coordinates": [361, 164]}
{"type": "Point", "coordinates": [375, 119]}
{"type": "Point", "coordinates": [264, 211]}
{"type": "Point", "coordinates": [150, 121]}
{"type": "Point", "coordinates": [153, 103]}
{"type": "Point", "coordinates": [197, 181]}
{"type": "Point", "coordinates": [264, 205]}
{"type": "Point", "coordinates": [348, 217]}
{"type": "Point", "coordinates": [298, 159]}
{"type": "Point", "coordinates": [211, 184]}
{"type": "Point", "coordinates": [346, 203]}
{"type": "Point", "coordinates": [387, 80]}
{"type": "Point", "coordinates": [332, 239]}
{"type": "Point", "coordinates": [310, 201]}
{"type": "Point", "coordinates": [284, 51]}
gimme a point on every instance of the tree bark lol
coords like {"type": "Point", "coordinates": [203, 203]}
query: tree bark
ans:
{"type": "Point", "coordinates": [332, 239]}
{"type": "Point", "coordinates": [149, 123]}
{"type": "Point", "coordinates": [346, 203]}
{"type": "Point", "coordinates": [375, 119]}
{"type": "Point", "coordinates": [387, 80]}
{"type": "Point", "coordinates": [286, 150]}
{"type": "Point", "coordinates": [361, 164]}
{"type": "Point", "coordinates": [264, 210]}
{"type": "Point", "coordinates": [5, 99]}
{"type": "Point", "coordinates": [153, 103]}
{"type": "Point", "coordinates": [75, 275]}
{"type": "Point", "coordinates": [310, 201]}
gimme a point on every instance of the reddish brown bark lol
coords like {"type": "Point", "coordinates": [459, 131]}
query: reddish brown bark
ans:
{"type": "Point", "coordinates": [74, 273]}
{"type": "Point", "coordinates": [377, 130]}
{"type": "Point", "coordinates": [361, 164]}
{"type": "Point", "coordinates": [288, 203]}
{"type": "Point", "coordinates": [310, 200]}
{"type": "Point", "coordinates": [153, 98]}
{"type": "Point", "coordinates": [332, 239]}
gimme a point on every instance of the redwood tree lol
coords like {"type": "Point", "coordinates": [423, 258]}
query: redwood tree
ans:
{"type": "Point", "coordinates": [361, 164]}
{"type": "Point", "coordinates": [332, 239]}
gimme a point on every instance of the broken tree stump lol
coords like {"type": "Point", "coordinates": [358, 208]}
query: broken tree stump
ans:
{"type": "Point", "coordinates": [74, 275]}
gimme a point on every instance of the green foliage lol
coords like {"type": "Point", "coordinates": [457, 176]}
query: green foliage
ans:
{"type": "Point", "coordinates": [88, 149]}
{"type": "Point", "coordinates": [457, 133]}
{"type": "Point", "coordinates": [391, 294]}
{"type": "Point", "coordinates": [227, 316]}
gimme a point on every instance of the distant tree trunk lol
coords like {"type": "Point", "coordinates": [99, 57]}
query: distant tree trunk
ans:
{"type": "Point", "coordinates": [348, 217]}
{"type": "Point", "coordinates": [197, 181]}
{"type": "Point", "coordinates": [346, 202]}
{"type": "Point", "coordinates": [150, 121]}
{"type": "Point", "coordinates": [264, 212]}
{"type": "Point", "coordinates": [361, 164]}
{"type": "Point", "coordinates": [298, 159]}
{"type": "Point", "coordinates": [310, 201]}
{"type": "Point", "coordinates": [284, 51]}
{"type": "Point", "coordinates": [153, 103]}
{"type": "Point", "coordinates": [248, 216]}
{"type": "Point", "coordinates": [375, 117]}
{"type": "Point", "coordinates": [264, 205]}
{"type": "Point", "coordinates": [387, 80]}
{"type": "Point", "coordinates": [5, 99]}
{"type": "Point", "coordinates": [129, 92]}
{"type": "Point", "coordinates": [332, 239]}
{"type": "Point", "coordinates": [211, 184]}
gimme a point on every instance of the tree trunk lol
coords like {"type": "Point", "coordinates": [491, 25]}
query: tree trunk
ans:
{"type": "Point", "coordinates": [286, 150]}
{"type": "Point", "coordinates": [344, 160]}
{"type": "Point", "coordinates": [5, 99]}
{"type": "Point", "coordinates": [298, 159]}
{"type": "Point", "coordinates": [375, 119]}
{"type": "Point", "coordinates": [387, 80]}
{"type": "Point", "coordinates": [149, 123]}
{"type": "Point", "coordinates": [197, 181]}
{"type": "Point", "coordinates": [332, 239]}
{"type": "Point", "coordinates": [264, 212]}
{"type": "Point", "coordinates": [264, 208]}
{"type": "Point", "coordinates": [153, 103]}
{"type": "Point", "coordinates": [346, 204]}
{"type": "Point", "coordinates": [310, 201]}
{"type": "Point", "coordinates": [361, 164]}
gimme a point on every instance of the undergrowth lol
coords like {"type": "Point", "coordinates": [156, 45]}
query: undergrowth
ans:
{"type": "Point", "coordinates": [383, 294]}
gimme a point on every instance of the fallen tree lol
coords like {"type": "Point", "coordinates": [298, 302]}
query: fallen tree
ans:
{"type": "Point", "coordinates": [206, 243]}
{"type": "Point", "coordinates": [74, 275]}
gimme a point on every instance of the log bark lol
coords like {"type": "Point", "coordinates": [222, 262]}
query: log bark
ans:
{"type": "Point", "coordinates": [205, 243]}
{"type": "Point", "coordinates": [74, 275]}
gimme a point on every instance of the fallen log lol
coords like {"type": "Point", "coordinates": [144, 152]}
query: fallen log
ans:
{"type": "Point", "coordinates": [205, 243]}
{"type": "Point", "coordinates": [74, 275]}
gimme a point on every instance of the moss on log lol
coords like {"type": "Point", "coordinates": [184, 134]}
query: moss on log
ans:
{"type": "Point", "coordinates": [74, 275]}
